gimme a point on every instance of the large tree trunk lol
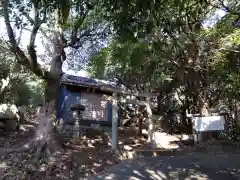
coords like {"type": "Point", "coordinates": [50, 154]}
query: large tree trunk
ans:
{"type": "Point", "coordinates": [197, 82]}
{"type": "Point", "coordinates": [45, 140]}
{"type": "Point", "coordinates": [46, 129]}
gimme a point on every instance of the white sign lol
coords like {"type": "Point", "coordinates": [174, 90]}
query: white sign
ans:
{"type": "Point", "coordinates": [209, 123]}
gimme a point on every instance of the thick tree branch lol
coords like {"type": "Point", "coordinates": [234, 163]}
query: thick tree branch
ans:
{"type": "Point", "coordinates": [74, 43]}
{"type": "Point", "coordinates": [20, 55]}
{"type": "Point", "coordinates": [89, 33]}
{"type": "Point", "coordinates": [74, 38]}
{"type": "Point", "coordinates": [232, 50]}
{"type": "Point", "coordinates": [78, 33]}
{"type": "Point", "coordinates": [20, 36]}
{"type": "Point", "coordinates": [47, 37]}
{"type": "Point", "coordinates": [36, 25]}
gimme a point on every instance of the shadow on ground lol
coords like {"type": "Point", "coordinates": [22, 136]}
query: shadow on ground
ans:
{"type": "Point", "coordinates": [225, 167]}
{"type": "Point", "coordinates": [92, 155]}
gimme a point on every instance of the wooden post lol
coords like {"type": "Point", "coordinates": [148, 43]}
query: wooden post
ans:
{"type": "Point", "coordinates": [114, 123]}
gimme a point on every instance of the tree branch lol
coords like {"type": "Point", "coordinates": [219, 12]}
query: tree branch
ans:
{"type": "Point", "coordinates": [86, 33]}
{"type": "Point", "coordinates": [47, 37]}
{"type": "Point", "coordinates": [74, 38]}
{"type": "Point", "coordinates": [20, 55]}
{"type": "Point", "coordinates": [83, 11]}
{"type": "Point", "coordinates": [36, 25]}
{"type": "Point", "coordinates": [232, 50]}
{"type": "Point", "coordinates": [20, 36]}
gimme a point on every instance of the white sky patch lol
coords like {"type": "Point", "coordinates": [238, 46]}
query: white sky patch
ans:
{"type": "Point", "coordinates": [82, 73]}
{"type": "Point", "coordinates": [40, 49]}
{"type": "Point", "coordinates": [214, 19]}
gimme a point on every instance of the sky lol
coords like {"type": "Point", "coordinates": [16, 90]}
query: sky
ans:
{"type": "Point", "coordinates": [212, 20]}
{"type": "Point", "coordinates": [41, 50]}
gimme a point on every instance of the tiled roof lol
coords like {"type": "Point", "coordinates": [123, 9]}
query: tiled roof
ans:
{"type": "Point", "coordinates": [85, 81]}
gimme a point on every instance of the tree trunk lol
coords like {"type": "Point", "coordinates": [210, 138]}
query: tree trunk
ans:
{"type": "Point", "coordinates": [237, 109]}
{"type": "Point", "coordinates": [46, 129]}
{"type": "Point", "coordinates": [45, 137]}
{"type": "Point", "coordinates": [159, 102]}
{"type": "Point", "coordinates": [203, 103]}
{"type": "Point", "coordinates": [45, 140]}
{"type": "Point", "coordinates": [21, 115]}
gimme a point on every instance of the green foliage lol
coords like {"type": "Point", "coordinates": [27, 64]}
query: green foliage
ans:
{"type": "Point", "coordinates": [225, 59]}
{"type": "Point", "coordinates": [31, 92]}
{"type": "Point", "coordinates": [165, 44]}
{"type": "Point", "coordinates": [161, 44]}
{"type": "Point", "coordinates": [134, 59]}
{"type": "Point", "coordinates": [19, 86]}
{"type": "Point", "coordinates": [134, 19]}
{"type": "Point", "coordinates": [76, 23]}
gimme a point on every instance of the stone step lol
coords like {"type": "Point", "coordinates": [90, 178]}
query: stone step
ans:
{"type": "Point", "coordinates": [155, 152]}
{"type": "Point", "coordinates": [144, 152]}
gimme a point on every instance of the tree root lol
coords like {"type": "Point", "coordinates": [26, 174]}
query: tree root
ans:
{"type": "Point", "coordinates": [47, 145]}
{"type": "Point", "coordinates": [45, 139]}
{"type": "Point", "coordinates": [27, 146]}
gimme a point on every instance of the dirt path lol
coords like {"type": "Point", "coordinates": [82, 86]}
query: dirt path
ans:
{"type": "Point", "coordinates": [211, 160]}
{"type": "Point", "coordinates": [218, 167]}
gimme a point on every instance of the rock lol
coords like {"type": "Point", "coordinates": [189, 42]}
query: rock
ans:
{"type": "Point", "coordinates": [185, 137]}
{"type": "Point", "coordinates": [8, 114]}
{"type": "Point", "coordinates": [8, 110]}
{"type": "Point", "coordinates": [127, 148]}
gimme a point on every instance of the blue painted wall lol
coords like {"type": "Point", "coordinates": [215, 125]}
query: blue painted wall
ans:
{"type": "Point", "coordinates": [67, 98]}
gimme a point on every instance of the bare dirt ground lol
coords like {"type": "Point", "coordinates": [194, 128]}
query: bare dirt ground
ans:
{"type": "Point", "coordinates": [87, 157]}
{"type": "Point", "coordinates": [80, 159]}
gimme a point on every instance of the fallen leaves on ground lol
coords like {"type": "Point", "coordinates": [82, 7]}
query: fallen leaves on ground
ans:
{"type": "Point", "coordinates": [80, 159]}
